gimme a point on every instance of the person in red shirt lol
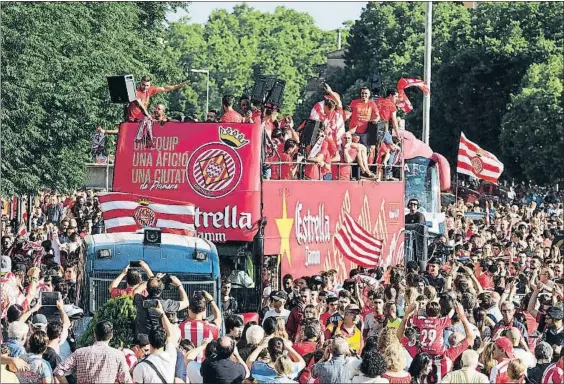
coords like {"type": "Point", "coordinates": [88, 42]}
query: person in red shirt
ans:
{"type": "Point", "coordinates": [288, 171]}
{"type": "Point", "coordinates": [138, 109]}
{"type": "Point", "coordinates": [132, 278]}
{"type": "Point", "coordinates": [364, 111]}
{"type": "Point", "coordinates": [312, 331]}
{"type": "Point", "coordinates": [229, 114]}
{"type": "Point", "coordinates": [432, 328]}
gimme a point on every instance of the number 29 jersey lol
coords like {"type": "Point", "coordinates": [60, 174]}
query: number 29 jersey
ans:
{"type": "Point", "coordinates": [431, 333]}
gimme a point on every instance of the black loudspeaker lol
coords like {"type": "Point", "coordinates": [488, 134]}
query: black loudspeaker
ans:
{"type": "Point", "coordinates": [152, 236]}
{"type": "Point", "coordinates": [310, 132]}
{"type": "Point", "coordinates": [122, 89]}
{"type": "Point", "coordinates": [376, 132]}
{"type": "Point", "coordinates": [262, 87]}
{"type": "Point", "coordinates": [274, 98]}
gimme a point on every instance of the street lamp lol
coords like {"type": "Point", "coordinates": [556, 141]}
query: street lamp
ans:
{"type": "Point", "coordinates": [207, 72]}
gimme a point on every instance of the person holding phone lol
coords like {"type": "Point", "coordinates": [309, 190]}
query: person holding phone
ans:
{"type": "Point", "coordinates": [132, 278]}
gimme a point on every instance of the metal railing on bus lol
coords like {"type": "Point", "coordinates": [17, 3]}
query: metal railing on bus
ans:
{"type": "Point", "coordinates": [301, 165]}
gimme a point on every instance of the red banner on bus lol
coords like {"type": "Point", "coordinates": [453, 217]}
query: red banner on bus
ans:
{"type": "Point", "coordinates": [304, 217]}
{"type": "Point", "coordinates": [213, 166]}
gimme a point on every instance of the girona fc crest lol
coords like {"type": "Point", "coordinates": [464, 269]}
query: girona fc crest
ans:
{"type": "Point", "coordinates": [477, 164]}
{"type": "Point", "coordinates": [145, 217]}
{"type": "Point", "coordinates": [214, 170]}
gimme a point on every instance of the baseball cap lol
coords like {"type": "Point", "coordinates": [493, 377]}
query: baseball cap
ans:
{"type": "Point", "coordinates": [6, 264]}
{"type": "Point", "coordinates": [507, 346]}
{"type": "Point", "coordinates": [352, 308]}
{"type": "Point", "coordinates": [279, 295]}
{"type": "Point", "coordinates": [555, 313]}
{"type": "Point", "coordinates": [39, 321]}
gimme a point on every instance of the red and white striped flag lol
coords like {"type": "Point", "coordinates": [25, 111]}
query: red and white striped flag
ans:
{"type": "Point", "coordinates": [475, 162]}
{"type": "Point", "coordinates": [403, 101]}
{"type": "Point", "coordinates": [123, 212]}
{"type": "Point", "coordinates": [358, 245]}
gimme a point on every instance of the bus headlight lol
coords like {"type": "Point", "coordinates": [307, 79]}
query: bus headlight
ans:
{"type": "Point", "coordinates": [104, 253]}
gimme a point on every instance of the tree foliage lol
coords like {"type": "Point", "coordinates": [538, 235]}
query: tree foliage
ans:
{"type": "Point", "coordinates": [55, 59]}
{"type": "Point", "coordinates": [237, 46]}
{"type": "Point", "coordinates": [532, 130]}
{"type": "Point", "coordinates": [481, 70]}
{"type": "Point", "coordinates": [121, 313]}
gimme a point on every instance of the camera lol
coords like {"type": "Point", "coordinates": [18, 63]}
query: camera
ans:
{"type": "Point", "coordinates": [150, 303]}
{"type": "Point", "coordinates": [166, 281]}
{"type": "Point", "coordinates": [135, 263]}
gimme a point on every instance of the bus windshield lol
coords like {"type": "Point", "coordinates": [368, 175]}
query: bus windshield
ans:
{"type": "Point", "coordinates": [422, 183]}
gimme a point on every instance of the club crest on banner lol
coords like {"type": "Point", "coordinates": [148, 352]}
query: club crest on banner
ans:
{"type": "Point", "coordinates": [215, 169]}
{"type": "Point", "coordinates": [145, 216]}
{"type": "Point", "coordinates": [477, 164]}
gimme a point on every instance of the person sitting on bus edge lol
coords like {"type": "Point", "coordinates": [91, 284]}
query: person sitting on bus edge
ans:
{"type": "Point", "coordinates": [147, 318]}
{"type": "Point", "coordinates": [364, 111]}
{"type": "Point", "coordinates": [196, 328]}
{"type": "Point", "coordinates": [229, 114]}
{"type": "Point", "coordinates": [132, 279]}
{"type": "Point", "coordinates": [137, 110]}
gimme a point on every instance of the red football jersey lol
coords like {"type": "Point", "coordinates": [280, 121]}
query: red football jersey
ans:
{"type": "Point", "coordinates": [431, 331]}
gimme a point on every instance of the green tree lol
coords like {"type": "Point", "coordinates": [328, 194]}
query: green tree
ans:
{"type": "Point", "coordinates": [388, 39]}
{"type": "Point", "coordinates": [472, 91]}
{"type": "Point", "coordinates": [532, 130]}
{"type": "Point", "coordinates": [237, 46]}
{"type": "Point", "coordinates": [121, 313]}
{"type": "Point", "coordinates": [55, 59]}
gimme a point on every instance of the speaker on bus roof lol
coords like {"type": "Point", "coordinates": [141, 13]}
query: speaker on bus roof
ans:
{"type": "Point", "coordinates": [310, 132]}
{"type": "Point", "coordinates": [122, 89]}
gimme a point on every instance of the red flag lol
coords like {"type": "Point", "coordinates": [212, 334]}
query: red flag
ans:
{"type": "Point", "coordinates": [22, 230]}
{"type": "Point", "coordinates": [358, 245]}
{"type": "Point", "coordinates": [123, 212]}
{"type": "Point", "coordinates": [475, 162]}
{"type": "Point", "coordinates": [403, 101]}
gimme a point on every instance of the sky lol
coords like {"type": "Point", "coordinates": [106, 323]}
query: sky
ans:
{"type": "Point", "coordinates": [327, 15]}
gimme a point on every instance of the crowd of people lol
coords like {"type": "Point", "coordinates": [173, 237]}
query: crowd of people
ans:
{"type": "Point", "coordinates": [487, 307]}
